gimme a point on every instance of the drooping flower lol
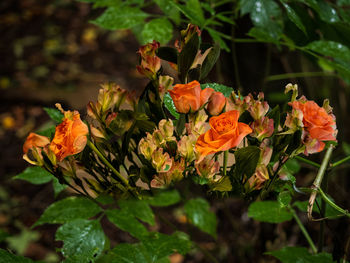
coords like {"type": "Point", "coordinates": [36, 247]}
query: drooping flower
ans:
{"type": "Point", "coordinates": [186, 147]}
{"type": "Point", "coordinates": [70, 136]}
{"type": "Point", "coordinates": [225, 133]}
{"type": "Point", "coordinates": [262, 128]}
{"type": "Point", "coordinates": [34, 143]}
{"type": "Point", "coordinates": [207, 168]}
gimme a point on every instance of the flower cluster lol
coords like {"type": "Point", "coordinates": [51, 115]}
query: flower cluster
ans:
{"type": "Point", "coordinates": [187, 130]}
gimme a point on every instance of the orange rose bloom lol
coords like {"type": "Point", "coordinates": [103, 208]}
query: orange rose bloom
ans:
{"type": "Point", "coordinates": [317, 122]}
{"type": "Point", "coordinates": [225, 133]}
{"type": "Point", "coordinates": [189, 96]}
{"type": "Point", "coordinates": [70, 136]}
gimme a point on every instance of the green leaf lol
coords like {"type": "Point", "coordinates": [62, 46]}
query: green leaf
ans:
{"type": "Point", "coordinates": [67, 210]}
{"type": "Point", "coordinates": [262, 13]}
{"type": "Point", "coordinates": [246, 161]}
{"type": "Point", "coordinates": [293, 16]}
{"type": "Point", "coordinates": [160, 245]}
{"type": "Point", "coordinates": [127, 222]}
{"type": "Point", "coordinates": [284, 198]}
{"type": "Point", "coordinates": [195, 9]}
{"type": "Point", "coordinates": [48, 130]}
{"type": "Point", "coordinates": [217, 38]}
{"type": "Point", "coordinates": [180, 124]}
{"type": "Point", "coordinates": [35, 175]}
{"type": "Point", "coordinates": [330, 48]}
{"type": "Point", "coordinates": [218, 87]}
{"type": "Point", "coordinates": [293, 166]}
{"type": "Point", "coordinates": [262, 36]}
{"type": "Point", "coordinates": [199, 214]}
{"type": "Point", "coordinates": [210, 61]}
{"type": "Point", "coordinates": [327, 12]}
{"type": "Point", "coordinates": [152, 249]}
{"type": "Point", "coordinates": [167, 53]}
{"type": "Point", "coordinates": [300, 255]}
{"type": "Point", "coordinates": [159, 29]}
{"type": "Point", "coordinates": [120, 18]}
{"type": "Point", "coordinates": [57, 187]}
{"type": "Point", "coordinates": [139, 208]}
{"type": "Point", "coordinates": [83, 240]}
{"type": "Point", "coordinates": [168, 8]}
{"type": "Point", "coordinates": [187, 56]}
{"type": "Point", "coordinates": [127, 253]}
{"type": "Point", "coordinates": [169, 104]}
{"type": "Point", "coordinates": [54, 114]}
{"type": "Point", "coordinates": [164, 198]}
{"type": "Point", "coordinates": [223, 185]}
{"type": "Point", "coordinates": [7, 257]}
{"type": "Point", "coordinates": [269, 211]}
{"type": "Point", "coordinates": [330, 211]}
{"type": "Point", "coordinates": [192, 10]}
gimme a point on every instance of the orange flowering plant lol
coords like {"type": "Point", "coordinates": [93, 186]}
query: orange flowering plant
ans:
{"type": "Point", "coordinates": [207, 134]}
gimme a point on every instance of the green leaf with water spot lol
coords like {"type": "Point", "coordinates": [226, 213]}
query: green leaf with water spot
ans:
{"type": "Point", "coordinates": [139, 208]}
{"type": "Point", "coordinates": [330, 48]}
{"type": "Point", "coordinates": [164, 198]}
{"type": "Point", "coordinates": [83, 240]}
{"type": "Point", "coordinates": [120, 18]}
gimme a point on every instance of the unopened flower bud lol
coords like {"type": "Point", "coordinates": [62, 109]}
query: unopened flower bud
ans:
{"type": "Point", "coordinates": [165, 82]}
{"type": "Point", "coordinates": [158, 138]}
{"type": "Point", "coordinates": [216, 103]}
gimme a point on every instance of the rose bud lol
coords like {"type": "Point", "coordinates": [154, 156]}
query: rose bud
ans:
{"type": "Point", "coordinates": [216, 104]}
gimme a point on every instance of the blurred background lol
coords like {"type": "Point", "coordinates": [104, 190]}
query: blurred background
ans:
{"type": "Point", "coordinates": [50, 53]}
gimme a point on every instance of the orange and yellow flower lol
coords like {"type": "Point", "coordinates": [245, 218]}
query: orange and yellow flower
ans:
{"type": "Point", "coordinates": [190, 96]}
{"type": "Point", "coordinates": [35, 143]}
{"type": "Point", "coordinates": [70, 136]}
{"type": "Point", "coordinates": [225, 133]}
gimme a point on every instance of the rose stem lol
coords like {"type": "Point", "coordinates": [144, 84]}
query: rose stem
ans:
{"type": "Point", "coordinates": [225, 161]}
{"type": "Point", "coordinates": [332, 165]}
{"type": "Point", "coordinates": [318, 180]}
{"type": "Point", "coordinates": [105, 161]}
{"type": "Point", "coordinates": [303, 230]}
{"type": "Point", "coordinates": [307, 161]}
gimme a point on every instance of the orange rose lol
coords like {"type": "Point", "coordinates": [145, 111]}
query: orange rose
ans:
{"type": "Point", "coordinates": [225, 133]}
{"type": "Point", "coordinates": [36, 143]}
{"type": "Point", "coordinates": [217, 103]}
{"type": "Point", "coordinates": [317, 122]}
{"type": "Point", "coordinates": [189, 96]}
{"type": "Point", "coordinates": [70, 136]}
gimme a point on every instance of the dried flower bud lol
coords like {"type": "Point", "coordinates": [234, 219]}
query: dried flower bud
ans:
{"type": "Point", "coordinates": [165, 82]}
{"type": "Point", "coordinates": [262, 128]}
{"type": "Point", "coordinates": [166, 128]}
{"type": "Point", "coordinates": [150, 63]}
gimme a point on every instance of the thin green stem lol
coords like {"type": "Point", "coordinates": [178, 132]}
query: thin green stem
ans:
{"type": "Point", "coordinates": [318, 180]}
{"type": "Point", "coordinates": [106, 162]}
{"type": "Point", "coordinates": [332, 204]}
{"type": "Point", "coordinates": [332, 165]}
{"type": "Point", "coordinates": [304, 160]}
{"type": "Point", "coordinates": [299, 75]}
{"type": "Point", "coordinates": [304, 231]}
{"type": "Point", "coordinates": [225, 162]}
